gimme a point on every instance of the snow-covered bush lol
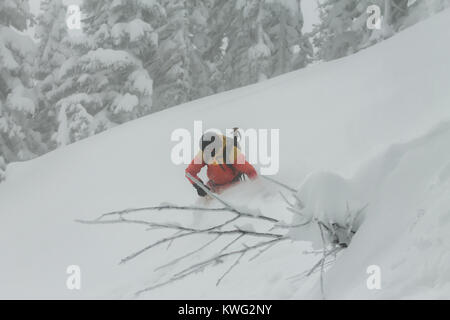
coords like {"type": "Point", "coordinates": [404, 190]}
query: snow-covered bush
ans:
{"type": "Point", "coordinates": [328, 201]}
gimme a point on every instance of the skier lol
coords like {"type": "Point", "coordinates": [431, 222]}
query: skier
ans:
{"type": "Point", "coordinates": [225, 165]}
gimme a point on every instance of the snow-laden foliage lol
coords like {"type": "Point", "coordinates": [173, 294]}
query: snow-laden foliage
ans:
{"type": "Point", "coordinates": [343, 28]}
{"type": "Point", "coordinates": [256, 40]}
{"type": "Point", "coordinates": [111, 87]}
{"type": "Point", "coordinates": [53, 51]}
{"type": "Point", "coordinates": [18, 138]}
{"type": "Point", "coordinates": [2, 168]}
{"type": "Point", "coordinates": [105, 81]}
{"type": "Point", "coordinates": [292, 49]}
{"type": "Point", "coordinates": [182, 73]}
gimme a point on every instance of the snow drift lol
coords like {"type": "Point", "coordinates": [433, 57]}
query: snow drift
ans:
{"type": "Point", "coordinates": [371, 119]}
{"type": "Point", "coordinates": [405, 231]}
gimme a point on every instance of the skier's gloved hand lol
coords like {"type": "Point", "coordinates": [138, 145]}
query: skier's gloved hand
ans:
{"type": "Point", "coordinates": [200, 191]}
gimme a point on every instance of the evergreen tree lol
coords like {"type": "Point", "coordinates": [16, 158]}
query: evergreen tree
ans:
{"type": "Point", "coordinates": [53, 51]}
{"type": "Point", "coordinates": [2, 169]}
{"type": "Point", "coordinates": [292, 49]}
{"type": "Point", "coordinates": [335, 36]}
{"type": "Point", "coordinates": [200, 68]}
{"type": "Point", "coordinates": [343, 28]}
{"type": "Point", "coordinates": [241, 46]}
{"type": "Point", "coordinates": [19, 139]}
{"type": "Point", "coordinates": [182, 74]}
{"type": "Point", "coordinates": [106, 81]}
{"type": "Point", "coordinates": [424, 9]}
{"type": "Point", "coordinates": [255, 40]}
{"type": "Point", "coordinates": [254, 47]}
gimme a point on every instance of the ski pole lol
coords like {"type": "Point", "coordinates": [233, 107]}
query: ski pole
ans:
{"type": "Point", "coordinates": [209, 192]}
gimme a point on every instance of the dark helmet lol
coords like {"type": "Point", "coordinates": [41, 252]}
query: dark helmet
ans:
{"type": "Point", "coordinates": [210, 144]}
{"type": "Point", "coordinates": [208, 138]}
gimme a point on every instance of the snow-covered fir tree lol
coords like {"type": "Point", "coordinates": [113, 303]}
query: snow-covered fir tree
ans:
{"type": "Point", "coordinates": [422, 9]}
{"type": "Point", "coordinates": [200, 67]}
{"type": "Point", "coordinates": [343, 27]}
{"type": "Point", "coordinates": [18, 138]}
{"type": "Point", "coordinates": [53, 51]}
{"type": "Point", "coordinates": [292, 49]}
{"type": "Point", "coordinates": [182, 73]}
{"type": "Point", "coordinates": [335, 36]}
{"type": "Point", "coordinates": [140, 56]}
{"type": "Point", "coordinates": [256, 39]}
{"type": "Point", "coordinates": [106, 81]}
{"type": "Point", "coordinates": [2, 169]}
{"type": "Point", "coordinates": [241, 44]}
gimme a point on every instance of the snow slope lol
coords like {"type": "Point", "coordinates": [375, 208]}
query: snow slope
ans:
{"type": "Point", "coordinates": [375, 119]}
{"type": "Point", "coordinates": [406, 230]}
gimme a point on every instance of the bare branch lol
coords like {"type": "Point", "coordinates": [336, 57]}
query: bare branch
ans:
{"type": "Point", "coordinates": [231, 253]}
{"type": "Point", "coordinates": [201, 265]}
{"type": "Point", "coordinates": [175, 261]}
{"type": "Point", "coordinates": [231, 243]}
{"type": "Point", "coordinates": [300, 203]}
{"type": "Point", "coordinates": [220, 229]}
{"type": "Point", "coordinates": [324, 255]}
{"type": "Point", "coordinates": [286, 200]}
{"type": "Point", "coordinates": [282, 225]}
{"type": "Point", "coordinates": [187, 231]}
{"type": "Point", "coordinates": [280, 184]}
{"type": "Point", "coordinates": [295, 210]}
{"type": "Point", "coordinates": [164, 240]}
{"type": "Point", "coordinates": [231, 267]}
{"type": "Point", "coordinates": [262, 251]}
{"type": "Point", "coordinates": [160, 208]}
{"type": "Point", "coordinates": [322, 262]}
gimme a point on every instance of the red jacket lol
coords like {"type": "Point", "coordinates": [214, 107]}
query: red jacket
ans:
{"type": "Point", "coordinates": [221, 174]}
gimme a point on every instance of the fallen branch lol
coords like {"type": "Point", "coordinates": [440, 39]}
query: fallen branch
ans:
{"type": "Point", "coordinates": [187, 231]}
{"type": "Point", "coordinates": [160, 208]}
{"type": "Point", "coordinates": [280, 184]}
{"type": "Point", "coordinates": [189, 254]}
{"type": "Point", "coordinates": [231, 268]}
{"type": "Point", "coordinates": [323, 261]}
{"type": "Point", "coordinates": [201, 265]}
{"type": "Point", "coordinates": [223, 228]}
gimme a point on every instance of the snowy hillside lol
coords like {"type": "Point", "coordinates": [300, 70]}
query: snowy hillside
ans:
{"type": "Point", "coordinates": [373, 126]}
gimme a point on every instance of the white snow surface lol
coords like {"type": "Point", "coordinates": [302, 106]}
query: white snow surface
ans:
{"type": "Point", "coordinates": [370, 128]}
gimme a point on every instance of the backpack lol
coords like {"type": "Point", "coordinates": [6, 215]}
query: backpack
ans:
{"type": "Point", "coordinates": [236, 147]}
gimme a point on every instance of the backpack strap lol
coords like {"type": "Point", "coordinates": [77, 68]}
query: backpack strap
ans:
{"type": "Point", "coordinates": [236, 147]}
